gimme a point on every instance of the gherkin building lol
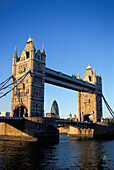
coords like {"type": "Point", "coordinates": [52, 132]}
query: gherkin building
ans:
{"type": "Point", "coordinates": [55, 109]}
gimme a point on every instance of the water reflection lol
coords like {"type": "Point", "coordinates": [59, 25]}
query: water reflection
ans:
{"type": "Point", "coordinates": [67, 154]}
{"type": "Point", "coordinates": [91, 155]}
{"type": "Point", "coordinates": [24, 155]}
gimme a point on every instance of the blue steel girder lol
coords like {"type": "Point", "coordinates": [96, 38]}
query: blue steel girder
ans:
{"type": "Point", "coordinates": [66, 81]}
{"type": "Point", "coordinates": [74, 123]}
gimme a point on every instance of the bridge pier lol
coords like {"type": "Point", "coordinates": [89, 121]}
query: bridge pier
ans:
{"type": "Point", "coordinates": [81, 132]}
{"type": "Point", "coordinates": [29, 129]}
{"type": "Point", "coordinates": [96, 130]}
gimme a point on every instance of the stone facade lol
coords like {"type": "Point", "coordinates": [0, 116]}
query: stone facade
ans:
{"type": "Point", "coordinates": [28, 98]}
{"type": "Point", "coordinates": [80, 131]}
{"type": "Point", "coordinates": [90, 105]}
{"type": "Point", "coordinates": [29, 129]}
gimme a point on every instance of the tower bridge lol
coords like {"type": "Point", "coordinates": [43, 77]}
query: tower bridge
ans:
{"type": "Point", "coordinates": [29, 95]}
{"type": "Point", "coordinates": [29, 74]}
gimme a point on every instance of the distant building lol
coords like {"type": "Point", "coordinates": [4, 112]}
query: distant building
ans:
{"type": "Point", "coordinates": [50, 115]}
{"type": "Point", "coordinates": [4, 114]}
{"type": "Point", "coordinates": [73, 118]}
{"type": "Point", "coordinates": [70, 116]}
{"type": "Point", "coordinates": [55, 109]}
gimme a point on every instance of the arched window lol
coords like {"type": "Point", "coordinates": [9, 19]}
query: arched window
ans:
{"type": "Point", "coordinates": [27, 54]}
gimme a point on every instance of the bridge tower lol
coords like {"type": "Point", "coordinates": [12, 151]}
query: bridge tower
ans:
{"type": "Point", "coordinates": [90, 105]}
{"type": "Point", "coordinates": [28, 98]}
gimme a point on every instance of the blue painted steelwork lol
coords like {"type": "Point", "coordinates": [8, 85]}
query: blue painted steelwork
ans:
{"type": "Point", "coordinates": [108, 107]}
{"type": "Point", "coordinates": [5, 82]}
{"type": "Point", "coordinates": [17, 82]}
{"type": "Point", "coordinates": [66, 81]}
{"type": "Point", "coordinates": [86, 125]}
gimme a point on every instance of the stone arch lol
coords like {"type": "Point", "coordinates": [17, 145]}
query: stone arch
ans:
{"type": "Point", "coordinates": [88, 118]}
{"type": "Point", "coordinates": [20, 111]}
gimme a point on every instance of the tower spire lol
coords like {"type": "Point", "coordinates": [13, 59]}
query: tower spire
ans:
{"type": "Point", "coordinates": [94, 72]}
{"type": "Point", "coordinates": [78, 75]}
{"type": "Point", "coordinates": [99, 74]}
{"type": "Point", "coordinates": [15, 53]}
{"type": "Point", "coordinates": [30, 40]}
{"type": "Point", "coordinates": [43, 49]}
{"type": "Point", "coordinates": [15, 48]}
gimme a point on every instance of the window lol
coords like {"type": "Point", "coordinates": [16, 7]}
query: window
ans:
{"type": "Point", "coordinates": [89, 78]}
{"type": "Point", "coordinates": [23, 86]}
{"type": "Point", "coordinates": [27, 54]}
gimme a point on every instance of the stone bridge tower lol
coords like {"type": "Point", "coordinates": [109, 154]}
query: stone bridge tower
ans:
{"type": "Point", "coordinates": [27, 100]}
{"type": "Point", "coordinates": [90, 105]}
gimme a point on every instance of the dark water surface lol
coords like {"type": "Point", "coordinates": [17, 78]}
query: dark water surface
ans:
{"type": "Point", "coordinates": [67, 154]}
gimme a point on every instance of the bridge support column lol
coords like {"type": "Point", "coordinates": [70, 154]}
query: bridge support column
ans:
{"type": "Point", "coordinates": [81, 132]}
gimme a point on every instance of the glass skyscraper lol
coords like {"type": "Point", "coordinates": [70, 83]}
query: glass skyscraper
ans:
{"type": "Point", "coordinates": [55, 109]}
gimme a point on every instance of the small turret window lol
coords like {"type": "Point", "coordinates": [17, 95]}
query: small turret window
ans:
{"type": "Point", "coordinates": [23, 86]}
{"type": "Point", "coordinates": [27, 54]}
{"type": "Point", "coordinates": [89, 78]}
{"type": "Point", "coordinates": [39, 57]}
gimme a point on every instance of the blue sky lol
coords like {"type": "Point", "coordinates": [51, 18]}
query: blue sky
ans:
{"type": "Point", "coordinates": [75, 33]}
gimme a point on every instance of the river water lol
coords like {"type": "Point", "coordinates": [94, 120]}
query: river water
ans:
{"type": "Point", "coordinates": [67, 154]}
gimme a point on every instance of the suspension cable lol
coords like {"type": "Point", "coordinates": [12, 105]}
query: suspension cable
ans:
{"type": "Point", "coordinates": [15, 81]}
{"type": "Point", "coordinates": [108, 107]}
{"type": "Point", "coordinates": [18, 81]}
{"type": "Point", "coordinates": [5, 82]}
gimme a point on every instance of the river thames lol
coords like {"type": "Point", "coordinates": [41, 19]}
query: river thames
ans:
{"type": "Point", "coordinates": [67, 154]}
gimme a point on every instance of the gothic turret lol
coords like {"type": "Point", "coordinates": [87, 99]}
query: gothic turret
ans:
{"type": "Point", "coordinates": [15, 58]}
{"type": "Point", "coordinates": [78, 75]}
{"type": "Point", "coordinates": [94, 77]}
{"type": "Point", "coordinates": [99, 74]}
{"type": "Point", "coordinates": [43, 54]}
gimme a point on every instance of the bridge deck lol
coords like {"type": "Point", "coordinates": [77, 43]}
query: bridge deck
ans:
{"type": "Point", "coordinates": [66, 81]}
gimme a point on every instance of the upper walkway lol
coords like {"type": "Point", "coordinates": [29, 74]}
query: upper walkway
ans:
{"type": "Point", "coordinates": [66, 81]}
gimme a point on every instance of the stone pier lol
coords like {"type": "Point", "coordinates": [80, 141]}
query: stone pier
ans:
{"type": "Point", "coordinates": [29, 129]}
{"type": "Point", "coordinates": [97, 130]}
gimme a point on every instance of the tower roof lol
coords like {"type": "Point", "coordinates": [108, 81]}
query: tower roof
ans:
{"type": "Point", "coordinates": [89, 67]}
{"type": "Point", "coordinates": [30, 39]}
{"type": "Point", "coordinates": [30, 46]}
{"type": "Point", "coordinates": [88, 72]}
